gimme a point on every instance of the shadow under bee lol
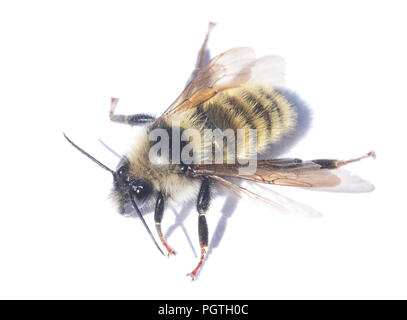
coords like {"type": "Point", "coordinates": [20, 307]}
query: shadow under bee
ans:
{"type": "Point", "coordinates": [228, 208]}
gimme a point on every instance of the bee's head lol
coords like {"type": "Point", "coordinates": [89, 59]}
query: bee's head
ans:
{"type": "Point", "coordinates": [128, 188]}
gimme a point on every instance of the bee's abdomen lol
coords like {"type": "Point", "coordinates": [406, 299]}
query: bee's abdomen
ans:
{"type": "Point", "coordinates": [249, 107]}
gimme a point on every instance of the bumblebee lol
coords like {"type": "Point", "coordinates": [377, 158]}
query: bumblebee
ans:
{"type": "Point", "coordinates": [233, 91]}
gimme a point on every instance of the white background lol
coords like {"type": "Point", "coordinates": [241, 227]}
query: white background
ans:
{"type": "Point", "coordinates": [60, 62]}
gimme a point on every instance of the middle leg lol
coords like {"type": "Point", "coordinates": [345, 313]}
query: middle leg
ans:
{"type": "Point", "coordinates": [133, 119]}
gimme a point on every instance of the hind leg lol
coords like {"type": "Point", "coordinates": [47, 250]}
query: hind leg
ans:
{"type": "Point", "coordinates": [333, 164]}
{"type": "Point", "coordinates": [203, 54]}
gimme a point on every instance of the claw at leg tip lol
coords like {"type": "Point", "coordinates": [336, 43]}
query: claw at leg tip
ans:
{"type": "Point", "coordinates": [192, 275]}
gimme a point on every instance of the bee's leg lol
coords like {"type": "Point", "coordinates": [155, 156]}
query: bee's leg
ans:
{"type": "Point", "coordinates": [202, 207]}
{"type": "Point", "coordinates": [158, 216]}
{"type": "Point", "coordinates": [133, 120]}
{"type": "Point", "coordinates": [333, 164]}
{"type": "Point", "coordinates": [203, 54]}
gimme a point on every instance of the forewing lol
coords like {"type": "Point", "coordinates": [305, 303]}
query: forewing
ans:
{"type": "Point", "coordinates": [305, 174]}
{"type": "Point", "coordinates": [226, 71]}
{"type": "Point", "coordinates": [291, 172]}
{"type": "Point", "coordinates": [349, 183]}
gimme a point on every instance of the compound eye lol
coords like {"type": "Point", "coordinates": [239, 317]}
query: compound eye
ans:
{"type": "Point", "coordinates": [140, 190]}
{"type": "Point", "coordinates": [122, 171]}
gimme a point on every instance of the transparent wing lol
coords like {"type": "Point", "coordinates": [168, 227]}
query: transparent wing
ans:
{"type": "Point", "coordinates": [266, 196]}
{"type": "Point", "coordinates": [291, 172]}
{"type": "Point", "coordinates": [349, 183]}
{"type": "Point", "coordinates": [284, 172]}
{"type": "Point", "coordinates": [269, 70]}
{"type": "Point", "coordinates": [228, 70]}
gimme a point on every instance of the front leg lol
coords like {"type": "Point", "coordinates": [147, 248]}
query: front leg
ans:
{"type": "Point", "coordinates": [158, 216]}
{"type": "Point", "coordinates": [202, 206]}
